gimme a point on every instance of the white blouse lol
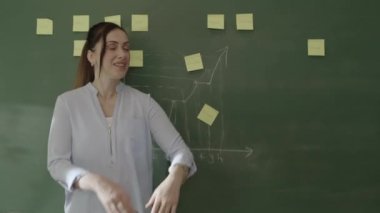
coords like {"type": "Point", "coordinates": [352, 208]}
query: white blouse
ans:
{"type": "Point", "coordinates": [81, 140]}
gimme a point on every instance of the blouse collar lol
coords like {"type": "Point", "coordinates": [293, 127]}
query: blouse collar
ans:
{"type": "Point", "coordinates": [94, 90]}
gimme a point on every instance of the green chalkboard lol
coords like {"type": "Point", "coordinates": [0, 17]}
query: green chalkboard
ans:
{"type": "Point", "coordinates": [294, 133]}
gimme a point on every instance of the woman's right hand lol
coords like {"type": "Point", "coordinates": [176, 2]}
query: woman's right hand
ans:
{"type": "Point", "coordinates": [112, 196]}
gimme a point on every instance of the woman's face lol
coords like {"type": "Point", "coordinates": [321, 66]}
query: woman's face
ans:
{"type": "Point", "coordinates": [116, 57]}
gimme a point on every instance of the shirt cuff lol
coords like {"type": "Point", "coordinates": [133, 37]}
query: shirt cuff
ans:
{"type": "Point", "coordinates": [181, 160]}
{"type": "Point", "coordinates": [73, 176]}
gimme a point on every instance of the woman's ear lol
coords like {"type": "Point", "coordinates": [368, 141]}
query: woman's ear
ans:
{"type": "Point", "coordinates": [91, 57]}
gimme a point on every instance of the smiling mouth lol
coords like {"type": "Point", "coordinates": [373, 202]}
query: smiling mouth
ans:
{"type": "Point", "coordinates": [120, 65]}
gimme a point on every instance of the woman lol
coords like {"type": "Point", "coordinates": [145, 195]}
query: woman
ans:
{"type": "Point", "coordinates": [100, 142]}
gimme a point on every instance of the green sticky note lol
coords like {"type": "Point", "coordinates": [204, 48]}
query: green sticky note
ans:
{"type": "Point", "coordinates": [140, 22]}
{"type": "Point", "coordinates": [194, 62]}
{"type": "Point", "coordinates": [78, 47]}
{"type": "Point", "coordinates": [44, 26]}
{"type": "Point", "coordinates": [208, 114]}
{"type": "Point", "coordinates": [116, 19]}
{"type": "Point", "coordinates": [244, 21]}
{"type": "Point", "coordinates": [316, 47]}
{"type": "Point", "coordinates": [81, 23]}
{"type": "Point", "coordinates": [136, 58]}
{"type": "Point", "coordinates": [215, 21]}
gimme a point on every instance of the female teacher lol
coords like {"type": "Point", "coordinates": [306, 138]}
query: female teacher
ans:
{"type": "Point", "coordinates": [100, 142]}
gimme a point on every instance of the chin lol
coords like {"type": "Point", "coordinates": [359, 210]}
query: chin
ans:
{"type": "Point", "coordinates": [121, 74]}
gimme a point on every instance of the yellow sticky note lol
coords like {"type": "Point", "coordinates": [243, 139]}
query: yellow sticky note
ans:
{"type": "Point", "coordinates": [136, 58]}
{"type": "Point", "coordinates": [208, 114]}
{"type": "Point", "coordinates": [139, 22]}
{"type": "Point", "coordinates": [316, 47]}
{"type": "Point", "coordinates": [116, 19]}
{"type": "Point", "coordinates": [44, 26]}
{"type": "Point", "coordinates": [244, 21]}
{"type": "Point", "coordinates": [81, 23]}
{"type": "Point", "coordinates": [194, 62]}
{"type": "Point", "coordinates": [215, 21]}
{"type": "Point", "coordinates": [78, 47]}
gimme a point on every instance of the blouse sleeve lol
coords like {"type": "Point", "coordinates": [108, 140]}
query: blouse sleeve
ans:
{"type": "Point", "coordinates": [168, 138]}
{"type": "Point", "coordinates": [59, 148]}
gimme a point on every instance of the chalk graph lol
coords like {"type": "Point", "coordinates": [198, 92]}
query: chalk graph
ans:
{"type": "Point", "coordinates": [182, 99]}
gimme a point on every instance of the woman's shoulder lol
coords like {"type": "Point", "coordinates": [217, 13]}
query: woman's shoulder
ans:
{"type": "Point", "coordinates": [76, 93]}
{"type": "Point", "coordinates": [136, 96]}
{"type": "Point", "coordinates": [129, 90]}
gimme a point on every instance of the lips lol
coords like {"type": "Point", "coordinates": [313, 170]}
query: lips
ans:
{"type": "Point", "coordinates": [120, 64]}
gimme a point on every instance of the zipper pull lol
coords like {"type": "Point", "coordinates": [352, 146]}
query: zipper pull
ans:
{"type": "Point", "coordinates": [110, 137]}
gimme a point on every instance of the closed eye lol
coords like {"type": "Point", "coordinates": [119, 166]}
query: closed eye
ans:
{"type": "Point", "coordinates": [111, 47]}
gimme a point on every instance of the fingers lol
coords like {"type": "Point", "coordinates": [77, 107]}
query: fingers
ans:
{"type": "Point", "coordinates": [112, 208]}
{"type": "Point", "coordinates": [162, 207]}
{"type": "Point", "coordinates": [150, 202]}
{"type": "Point", "coordinates": [156, 207]}
{"type": "Point", "coordinates": [120, 208]}
{"type": "Point", "coordinates": [174, 209]}
{"type": "Point", "coordinates": [117, 207]}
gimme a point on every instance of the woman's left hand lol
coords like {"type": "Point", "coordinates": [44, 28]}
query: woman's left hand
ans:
{"type": "Point", "coordinates": [165, 197]}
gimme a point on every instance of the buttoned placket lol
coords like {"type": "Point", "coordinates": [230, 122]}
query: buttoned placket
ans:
{"type": "Point", "coordinates": [110, 130]}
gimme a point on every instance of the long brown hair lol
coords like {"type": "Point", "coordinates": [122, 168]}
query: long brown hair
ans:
{"type": "Point", "coordinates": [85, 72]}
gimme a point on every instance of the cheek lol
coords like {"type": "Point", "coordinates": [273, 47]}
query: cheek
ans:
{"type": "Point", "coordinates": [107, 59]}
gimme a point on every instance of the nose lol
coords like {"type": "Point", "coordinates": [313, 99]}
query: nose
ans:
{"type": "Point", "coordinates": [122, 53]}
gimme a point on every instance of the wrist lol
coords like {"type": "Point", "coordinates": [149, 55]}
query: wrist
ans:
{"type": "Point", "coordinates": [179, 172]}
{"type": "Point", "coordinates": [88, 181]}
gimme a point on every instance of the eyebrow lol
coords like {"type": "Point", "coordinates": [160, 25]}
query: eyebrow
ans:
{"type": "Point", "coordinates": [113, 42]}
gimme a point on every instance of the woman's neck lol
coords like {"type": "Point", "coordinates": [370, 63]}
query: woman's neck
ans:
{"type": "Point", "coordinates": [106, 88]}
